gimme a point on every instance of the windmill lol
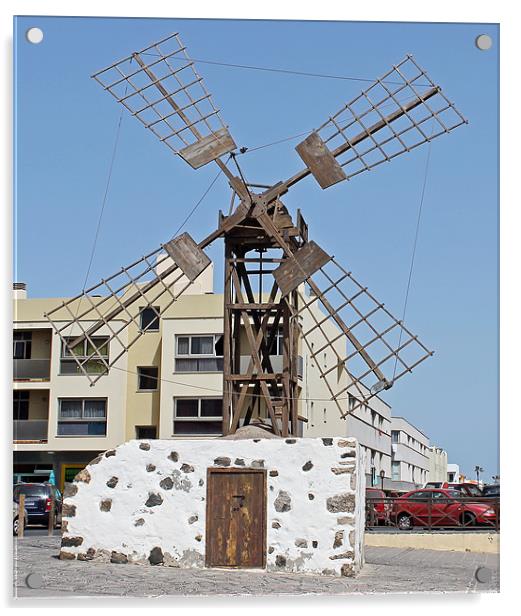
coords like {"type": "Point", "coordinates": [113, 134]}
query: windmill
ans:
{"type": "Point", "coordinates": [312, 299]}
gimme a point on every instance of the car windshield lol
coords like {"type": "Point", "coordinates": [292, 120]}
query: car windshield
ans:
{"type": "Point", "coordinates": [30, 490]}
{"type": "Point", "coordinates": [474, 490]}
{"type": "Point", "coordinates": [491, 490]}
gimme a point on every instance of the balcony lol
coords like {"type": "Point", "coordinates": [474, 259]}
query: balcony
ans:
{"type": "Point", "coordinates": [30, 430]}
{"type": "Point", "coordinates": [31, 369]}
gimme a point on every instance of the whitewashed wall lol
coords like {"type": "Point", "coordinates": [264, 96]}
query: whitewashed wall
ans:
{"type": "Point", "coordinates": [145, 502]}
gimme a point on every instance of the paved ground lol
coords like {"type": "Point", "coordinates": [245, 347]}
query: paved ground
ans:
{"type": "Point", "coordinates": [387, 570]}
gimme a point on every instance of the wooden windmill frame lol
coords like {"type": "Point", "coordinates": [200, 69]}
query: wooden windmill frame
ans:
{"type": "Point", "coordinates": [161, 87]}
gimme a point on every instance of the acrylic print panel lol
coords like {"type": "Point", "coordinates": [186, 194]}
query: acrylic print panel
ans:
{"type": "Point", "coordinates": [378, 367]}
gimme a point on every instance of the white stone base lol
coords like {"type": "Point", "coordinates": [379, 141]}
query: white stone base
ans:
{"type": "Point", "coordinates": [145, 502]}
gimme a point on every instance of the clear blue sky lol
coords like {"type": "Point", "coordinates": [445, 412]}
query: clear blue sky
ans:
{"type": "Point", "coordinates": [65, 128]}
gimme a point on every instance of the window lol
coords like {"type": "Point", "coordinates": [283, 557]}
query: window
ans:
{"type": "Point", "coordinates": [147, 378]}
{"type": "Point", "coordinates": [395, 471]}
{"type": "Point", "coordinates": [20, 404]}
{"type": "Point", "coordinates": [82, 417]}
{"type": "Point", "coordinates": [395, 436]}
{"type": "Point", "coordinates": [201, 353]}
{"type": "Point", "coordinates": [143, 432]}
{"type": "Point", "coordinates": [149, 319]}
{"type": "Point", "coordinates": [420, 496]}
{"type": "Point", "coordinates": [22, 345]}
{"type": "Point", "coordinates": [277, 346]}
{"type": "Point", "coordinates": [198, 416]}
{"type": "Point", "coordinates": [91, 355]}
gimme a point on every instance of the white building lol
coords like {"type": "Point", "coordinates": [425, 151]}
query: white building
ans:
{"type": "Point", "coordinates": [437, 464]}
{"type": "Point", "coordinates": [371, 425]}
{"type": "Point", "coordinates": [453, 473]}
{"type": "Point", "coordinates": [409, 455]}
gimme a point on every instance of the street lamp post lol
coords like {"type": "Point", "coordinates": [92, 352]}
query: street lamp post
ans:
{"type": "Point", "coordinates": [382, 475]}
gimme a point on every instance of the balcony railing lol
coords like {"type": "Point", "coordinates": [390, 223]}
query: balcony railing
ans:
{"type": "Point", "coordinates": [30, 430]}
{"type": "Point", "coordinates": [31, 369]}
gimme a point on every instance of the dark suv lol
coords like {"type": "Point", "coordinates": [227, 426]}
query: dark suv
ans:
{"type": "Point", "coordinates": [38, 501]}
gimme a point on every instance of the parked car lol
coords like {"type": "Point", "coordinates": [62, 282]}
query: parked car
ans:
{"type": "Point", "coordinates": [466, 489]}
{"type": "Point", "coordinates": [434, 484]}
{"type": "Point", "coordinates": [16, 517]}
{"type": "Point", "coordinates": [38, 501]}
{"type": "Point", "coordinates": [440, 508]}
{"type": "Point", "coordinates": [381, 509]}
{"type": "Point", "coordinates": [491, 491]}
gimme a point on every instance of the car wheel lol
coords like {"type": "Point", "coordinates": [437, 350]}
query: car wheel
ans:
{"type": "Point", "coordinates": [404, 521]}
{"type": "Point", "coordinates": [15, 526]}
{"type": "Point", "coordinates": [468, 519]}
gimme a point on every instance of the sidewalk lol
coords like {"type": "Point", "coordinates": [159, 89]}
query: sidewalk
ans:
{"type": "Point", "coordinates": [387, 570]}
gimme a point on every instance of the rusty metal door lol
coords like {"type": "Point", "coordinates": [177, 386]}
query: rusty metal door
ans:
{"type": "Point", "coordinates": [236, 518]}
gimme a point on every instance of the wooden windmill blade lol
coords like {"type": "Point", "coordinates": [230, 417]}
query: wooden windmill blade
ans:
{"type": "Point", "coordinates": [95, 327]}
{"type": "Point", "coordinates": [161, 87]}
{"type": "Point", "coordinates": [397, 113]}
{"type": "Point", "coordinates": [358, 346]}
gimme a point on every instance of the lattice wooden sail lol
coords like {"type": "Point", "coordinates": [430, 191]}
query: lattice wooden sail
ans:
{"type": "Point", "coordinates": [116, 312]}
{"type": "Point", "coordinates": [357, 345]}
{"type": "Point", "coordinates": [397, 113]}
{"type": "Point", "coordinates": [161, 87]}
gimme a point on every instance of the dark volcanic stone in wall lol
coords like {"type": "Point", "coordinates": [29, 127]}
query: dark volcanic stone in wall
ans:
{"type": "Point", "coordinates": [166, 483]}
{"type": "Point", "coordinates": [307, 466]}
{"type": "Point", "coordinates": [70, 489]}
{"type": "Point", "coordinates": [156, 556]}
{"type": "Point", "coordinates": [174, 456]}
{"type": "Point", "coordinates": [71, 541]}
{"type": "Point", "coordinates": [341, 503]}
{"type": "Point", "coordinates": [144, 446]}
{"type": "Point", "coordinates": [68, 511]}
{"type": "Point", "coordinates": [222, 461]}
{"type": "Point", "coordinates": [282, 502]}
{"type": "Point", "coordinates": [112, 482]}
{"type": "Point", "coordinates": [105, 504]}
{"type": "Point", "coordinates": [153, 500]}
{"type": "Point", "coordinates": [118, 558]}
{"type": "Point", "coordinates": [83, 476]}
{"type": "Point", "coordinates": [280, 561]}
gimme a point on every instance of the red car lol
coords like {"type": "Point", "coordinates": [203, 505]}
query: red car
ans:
{"type": "Point", "coordinates": [440, 508]}
{"type": "Point", "coordinates": [466, 489]}
{"type": "Point", "coordinates": [381, 509]}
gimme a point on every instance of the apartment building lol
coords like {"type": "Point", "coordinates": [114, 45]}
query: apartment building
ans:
{"type": "Point", "coordinates": [168, 384]}
{"type": "Point", "coordinates": [409, 455]}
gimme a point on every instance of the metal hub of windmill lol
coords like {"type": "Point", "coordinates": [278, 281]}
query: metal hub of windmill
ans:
{"type": "Point", "coordinates": [310, 298]}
